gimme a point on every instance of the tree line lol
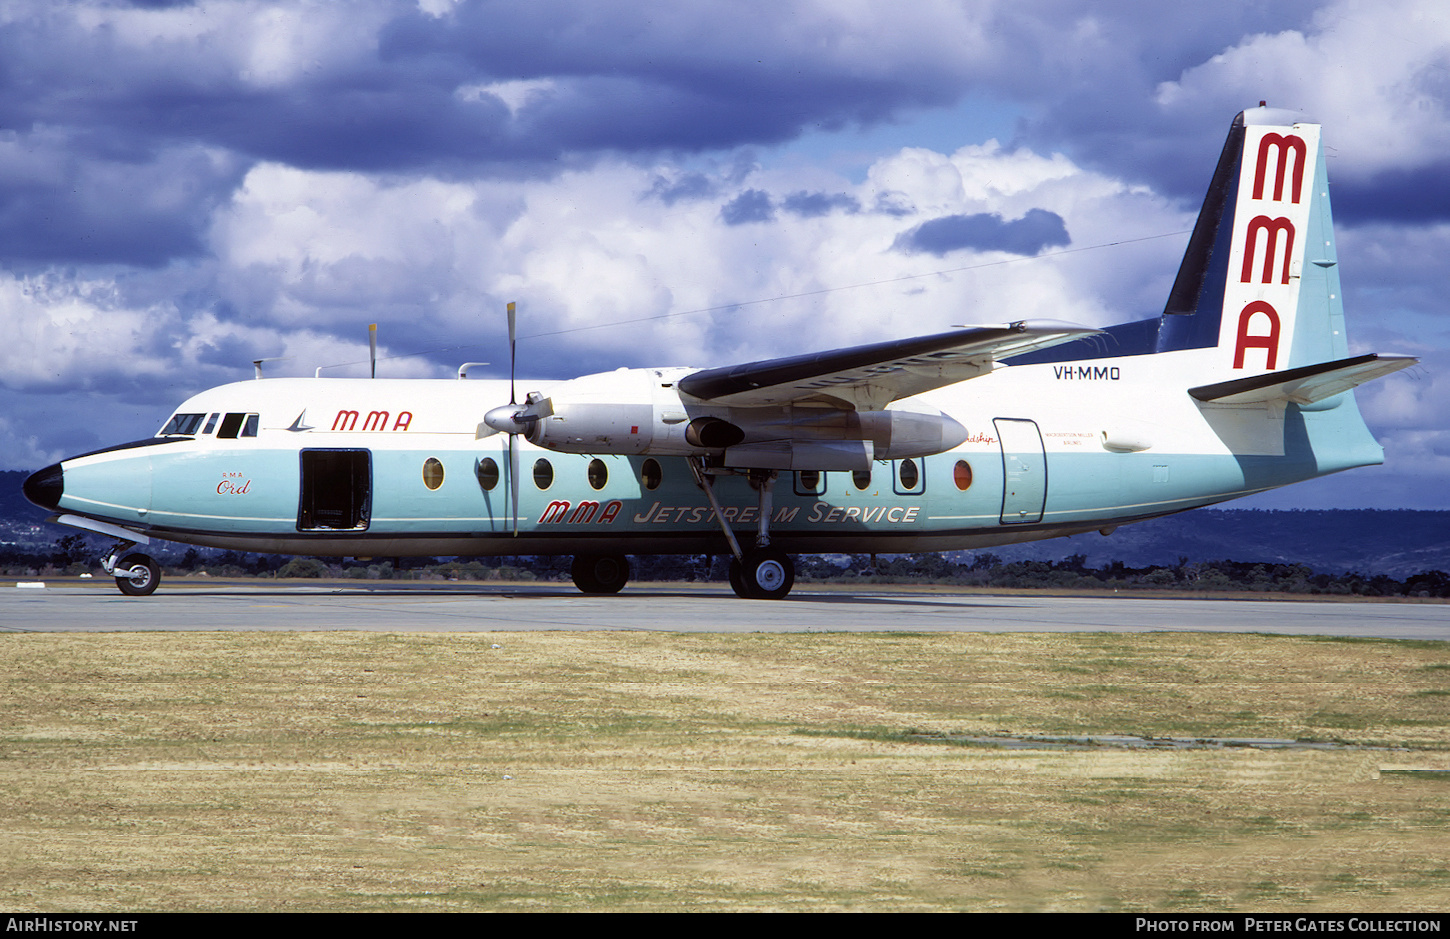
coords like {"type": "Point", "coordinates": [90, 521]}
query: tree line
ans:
{"type": "Point", "coordinates": [74, 555]}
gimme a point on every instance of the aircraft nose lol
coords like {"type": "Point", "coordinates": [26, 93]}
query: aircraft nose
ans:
{"type": "Point", "coordinates": [45, 487]}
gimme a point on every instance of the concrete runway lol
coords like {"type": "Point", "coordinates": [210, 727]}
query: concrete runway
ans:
{"type": "Point", "coordinates": [455, 607]}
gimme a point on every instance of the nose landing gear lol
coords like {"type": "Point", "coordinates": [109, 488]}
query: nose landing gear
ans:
{"type": "Point", "coordinates": [136, 574]}
{"type": "Point", "coordinates": [600, 573]}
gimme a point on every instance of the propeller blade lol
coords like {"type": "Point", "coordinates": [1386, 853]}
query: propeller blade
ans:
{"type": "Point", "coordinates": [512, 344]}
{"type": "Point", "coordinates": [514, 478]}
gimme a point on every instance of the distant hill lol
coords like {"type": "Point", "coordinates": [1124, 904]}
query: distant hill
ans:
{"type": "Point", "coordinates": [1394, 542]}
{"type": "Point", "coordinates": [1371, 541]}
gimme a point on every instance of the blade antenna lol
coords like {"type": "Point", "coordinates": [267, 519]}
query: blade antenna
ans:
{"type": "Point", "coordinates": [372, 349]}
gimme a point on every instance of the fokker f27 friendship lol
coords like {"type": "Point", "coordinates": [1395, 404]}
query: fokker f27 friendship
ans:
{"type": "Point", "coordinates": [971, 438]}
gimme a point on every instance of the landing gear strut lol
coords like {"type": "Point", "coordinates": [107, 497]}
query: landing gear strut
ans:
{"type": "Point", "coordinates": [136, 574]}
{"type": "Point", "coordinates": [600, 573]}
{"type": "Point", "coordinates": [763, 572]}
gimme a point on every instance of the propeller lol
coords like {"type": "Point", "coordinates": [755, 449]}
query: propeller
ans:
{"type": "Point", "coordinates": [514, 419]}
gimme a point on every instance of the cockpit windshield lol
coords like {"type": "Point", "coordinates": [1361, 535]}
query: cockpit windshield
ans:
{"type": "Point", "coordinates": [182, 425]}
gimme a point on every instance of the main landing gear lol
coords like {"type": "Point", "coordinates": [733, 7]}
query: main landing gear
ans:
{"type": "Point", "coordinates": [764, 572]}
{"type": "Point", "coordinates": [136, 574]}
{"type": "Point", "coordinates": [600, 573]}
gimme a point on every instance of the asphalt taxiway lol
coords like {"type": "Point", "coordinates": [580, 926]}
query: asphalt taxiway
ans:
{"type": "Point", "coordinates": [434, 607]}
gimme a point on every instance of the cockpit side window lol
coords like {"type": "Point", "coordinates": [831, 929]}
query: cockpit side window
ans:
{"type": "Point", "coordinates": [182, 425]}
{"type": "Point", "coordinates": [210, 423]}
{"type": "Point", "coordinates": [237, 425]}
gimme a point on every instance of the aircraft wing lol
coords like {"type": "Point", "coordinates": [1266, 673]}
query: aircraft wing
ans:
{"type": "Point", "coordinates": [1304, 385]}
{"type": "Point", "coordinates": [872, 376]}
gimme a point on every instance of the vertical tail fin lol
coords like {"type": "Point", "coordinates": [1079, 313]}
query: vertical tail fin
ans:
{"type": "Point", "coordinates": [1260, 278]}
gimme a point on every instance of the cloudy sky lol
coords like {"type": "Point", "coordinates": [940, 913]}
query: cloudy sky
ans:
{"type": "Point", "coordinates": [186, 187]}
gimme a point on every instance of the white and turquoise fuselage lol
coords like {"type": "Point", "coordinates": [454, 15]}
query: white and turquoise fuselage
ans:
{"type": "Point", "coordinates": [1242, 385]}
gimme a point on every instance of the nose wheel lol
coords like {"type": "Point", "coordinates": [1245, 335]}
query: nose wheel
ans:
{"type": "Point", "coordinates": [137, 575]}
{"type": "Point", "coordinates": [600, 573]}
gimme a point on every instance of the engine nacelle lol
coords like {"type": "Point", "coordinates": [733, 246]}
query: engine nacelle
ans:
{"type": "Point", "coordinates": [640, 411]}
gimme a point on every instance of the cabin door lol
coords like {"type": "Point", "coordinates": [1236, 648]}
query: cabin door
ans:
{"type": "Point", "coordinates": [1024, 471]}
{"type": "Point", "coordinates": [336, 490]}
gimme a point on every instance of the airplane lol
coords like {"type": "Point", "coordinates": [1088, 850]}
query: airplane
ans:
{"type": "Point", "coordinates": [971, 438]}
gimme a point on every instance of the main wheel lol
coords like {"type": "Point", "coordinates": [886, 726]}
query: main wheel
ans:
{"type": "Point", "coordinates": [137, 575]}
{"type": "Point", "coordinates": [736, 584]}
{"type": "Point", "coordinates": [766, 574]}
{"type": "Point", "coordinates": [600, 573]}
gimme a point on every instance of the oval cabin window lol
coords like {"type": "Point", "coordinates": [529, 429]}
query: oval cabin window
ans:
{"type": "Point", "coordinates": [543, 474]}
{"type": "Point", "coordinates": [651, 475]}
{"type": "Point", "coordinates": [962, 475]}
{"type": "Point", "coordinates": [908, 474]}
{"type": "Point", "coordinates": [487, 473]}
{"type": "Point", "coordinates": [598, 473]}
{"type": "Point", "coordinates": [432, 473]}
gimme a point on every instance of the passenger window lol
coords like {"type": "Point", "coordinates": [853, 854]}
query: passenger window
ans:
{"type": "Point", "coordinates": [487, 472]}
{"type": "Point", "coordinates": [651, 475]}
{"type": "Point", "coordinates": [910, 478]}
{"type": "Point", "coordinates": [810, 483]}
{"type": "Point", "coordinates": [432, 472]}
{"type": "Point", "coordinates": [543, 474]}
{"type": "Point", "coordinates": [598, 474]}
{"type": "Point", "coordinates": [962, 475]}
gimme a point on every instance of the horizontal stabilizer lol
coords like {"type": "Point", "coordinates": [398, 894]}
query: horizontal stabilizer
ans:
{"type": "Point", "coordinates": [1304, 385]}
{"type": "Point", "coordinates": [872, 376]}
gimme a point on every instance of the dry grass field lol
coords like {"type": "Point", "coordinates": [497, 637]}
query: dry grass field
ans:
{"type": "Point", "coordinates": [659, 771]}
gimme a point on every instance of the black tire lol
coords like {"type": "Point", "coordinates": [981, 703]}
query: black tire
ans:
{"type": "Point", "coordinates": [736, 584]}
{"type": "Point", "coordinates": [767, 574]}
{"type": "Point", "coordinates": [600, 573]}
{"type": "Point", "coordinates": [137, 575]}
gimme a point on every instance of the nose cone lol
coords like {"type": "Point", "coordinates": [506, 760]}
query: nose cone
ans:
{"type": "Point", "coordinates": [45, 487]}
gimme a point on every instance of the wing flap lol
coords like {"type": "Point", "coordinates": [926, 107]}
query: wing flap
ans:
{"type": "Point", "coordinates": [872, 376]}
{"type": "Point", "coordinates": [1304, 385]}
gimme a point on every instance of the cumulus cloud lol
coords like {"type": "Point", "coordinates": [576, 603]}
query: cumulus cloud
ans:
{"type": "Point", "coordinates": [752, 205]}
{"type": "Point", "coordinates": [816, 204]}
{"type": "Point", "coordinates": [986, 231]}
{"type": "Point", "coordinates": [185, 187]}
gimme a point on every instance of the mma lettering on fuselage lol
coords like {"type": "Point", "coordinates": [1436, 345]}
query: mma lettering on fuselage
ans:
{"type": "Point", "coordinates": [376, 420]}
{"type": "Point", "coordinates": [584, 513]}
